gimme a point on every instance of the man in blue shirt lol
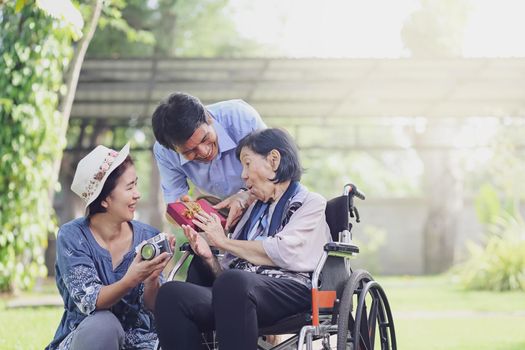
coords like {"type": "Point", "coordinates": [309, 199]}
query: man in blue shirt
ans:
{"type": "Point", "coordinates": [197, 143]}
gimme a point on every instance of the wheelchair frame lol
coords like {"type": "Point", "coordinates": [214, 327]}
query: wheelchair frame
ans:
{"type": "Point", "coordinates": [333, 303]}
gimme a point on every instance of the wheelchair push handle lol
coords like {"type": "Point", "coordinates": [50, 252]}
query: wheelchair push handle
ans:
{"type": "Point", "coordinates": [351, 190]}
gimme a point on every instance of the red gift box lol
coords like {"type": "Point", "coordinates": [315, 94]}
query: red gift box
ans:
{"type": "Point", "coordinates": [184, 212]}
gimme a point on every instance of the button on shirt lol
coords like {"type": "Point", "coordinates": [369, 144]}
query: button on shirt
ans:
{"type": "Point", "coordinates": [232, 120]}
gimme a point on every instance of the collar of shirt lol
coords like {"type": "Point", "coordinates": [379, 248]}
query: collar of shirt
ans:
{"type": "Point", "coordinates": [224, 141]}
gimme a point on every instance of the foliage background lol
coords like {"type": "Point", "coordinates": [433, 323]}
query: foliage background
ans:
{"type": "Point", "coordinates": [35, 51]}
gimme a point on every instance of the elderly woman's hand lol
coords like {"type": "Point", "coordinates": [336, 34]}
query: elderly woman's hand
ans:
{"type": "Point", "coordinates": [237, 203]}
{"type": "Point", "coordinates": [212, 228]}
{"type": "Point", "coordinates": [197, 243]}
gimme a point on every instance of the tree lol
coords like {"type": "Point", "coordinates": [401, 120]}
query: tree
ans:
{"type": "Point", "coordinates": [498, 261]}
{"type": "Point", "coordinates": [125, 30]}
{"type": "Point", "coordinates": [40, 69]}
{"type": "Point", "coordinates": [171, 28]}
{"type": "Point", "coordinates": [436, 29]}
{"type": "Point", "coordinates": [35, 49]}
{"type": "Point", "coordinates": [433, 31]}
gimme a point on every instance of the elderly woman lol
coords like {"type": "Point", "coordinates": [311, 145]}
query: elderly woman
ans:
{"type": "Point", "coordinates": [265, 274]}
{"type": "Point", "coordinates": [108, 291]}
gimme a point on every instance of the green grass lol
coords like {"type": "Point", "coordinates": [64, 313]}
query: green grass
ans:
{"type": "Point", "coordinates": [502, 332]}
{"type": "Point", "coordinates": [439, 293]}
{"type": "Point", "coordinates": [433, 313]}
{"type": "Point", "coordinates": [429, 313]}
{"type": "Point", "coordinates": [28, 328]}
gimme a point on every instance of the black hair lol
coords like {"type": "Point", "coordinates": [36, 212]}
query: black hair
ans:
{"type": "Point", "coordinates": [111, 182]}
{"type": "Point", "coordinates": [176, 119]}
{"type": "Point", "coordinates": [264, 141]}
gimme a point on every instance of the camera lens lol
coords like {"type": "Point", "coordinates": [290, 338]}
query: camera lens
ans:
{"type": "Point", "coordinates": [148, 251]}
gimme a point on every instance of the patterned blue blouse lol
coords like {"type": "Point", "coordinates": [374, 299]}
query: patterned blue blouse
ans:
{"type": "Point", "coordinates": [82, 268]}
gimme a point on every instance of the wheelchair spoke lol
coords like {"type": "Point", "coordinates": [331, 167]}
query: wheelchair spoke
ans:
{"type": "Point", "coordinates": [364, 339]}
{"type": "Point", "coordinates": [209, 341]}
{"type": "Point", "coordinates": [372, 312]}
{"type": "Point", "coordinates": [372, 322]}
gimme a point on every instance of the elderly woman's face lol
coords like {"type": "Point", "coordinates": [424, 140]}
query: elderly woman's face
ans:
{"type": "Point", "coordinates": [257, 171]}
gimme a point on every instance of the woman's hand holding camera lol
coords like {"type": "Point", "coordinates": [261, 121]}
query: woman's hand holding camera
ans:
{"type": "Point", "coordinates": [149, 270]}
{"type": "Point", "coordinates": [142, 270]}
{"type": "Point", "coordinates": [154, 276]}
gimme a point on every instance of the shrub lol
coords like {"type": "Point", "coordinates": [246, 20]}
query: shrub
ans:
{"type": "Point", "coordinates": [499, 265]}
{"type": "Point", "coordinates": [34, 51]}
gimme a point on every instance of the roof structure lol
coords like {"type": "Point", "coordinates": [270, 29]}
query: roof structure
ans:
{"type": "Point", "coordinates": [333, 107]}
{"type": "Point", "coordinates": [309, 88]}
{"type": "Point", "coordinates": [314, 97]}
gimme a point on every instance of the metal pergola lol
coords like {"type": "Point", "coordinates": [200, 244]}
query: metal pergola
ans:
{"type": "Point", "coordinates": [329, 105]}
{"type": "Point", "coordinates": [306, 94]}
{"type": "Point", "coordinates": [309, 88]}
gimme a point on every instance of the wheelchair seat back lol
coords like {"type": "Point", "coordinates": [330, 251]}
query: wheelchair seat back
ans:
{"type": "Point", "coordinates": [337, 216]}
{"type": "Point", "coordinates": [335, 271]}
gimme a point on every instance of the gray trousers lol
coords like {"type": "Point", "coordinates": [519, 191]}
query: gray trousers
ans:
{"type": "Point", "coordinates": [100, 330]}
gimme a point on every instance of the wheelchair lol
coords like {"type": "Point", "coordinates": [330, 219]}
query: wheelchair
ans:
{"type": "Point", "coordinates": [350, 310]}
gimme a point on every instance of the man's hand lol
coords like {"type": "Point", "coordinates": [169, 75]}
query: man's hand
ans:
{"type": "Point", "coordinates": [185, 198]}
{"type": "Point", "coordinates": [237, 203]}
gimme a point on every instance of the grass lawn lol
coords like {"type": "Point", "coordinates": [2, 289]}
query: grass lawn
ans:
{"type": "Point", "coordinates": [28, 328]}
{"type": "Point", "coordinates": [432, 313]}
{"type": "Point", "coordinates": [429, 313]}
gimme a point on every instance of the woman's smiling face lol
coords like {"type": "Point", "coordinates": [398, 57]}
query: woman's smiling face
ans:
{"type": "Point", "coordinates": [257, 172]}
{"type": "Point", "coordinates": [122, 201]}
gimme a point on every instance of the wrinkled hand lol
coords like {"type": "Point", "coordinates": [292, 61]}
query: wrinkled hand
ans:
{"type": "Point", "coordinates": [147, 270]}
{"type": "Point", "coordinates": [211, 226]}
{"type": "Point", "coordinates": [197, 243]}
{"type": "Point", "coordinates": [237, 203]}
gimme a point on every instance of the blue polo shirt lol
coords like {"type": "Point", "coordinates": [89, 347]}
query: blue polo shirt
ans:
{"type": "Point", "coordinates": [233, 120]}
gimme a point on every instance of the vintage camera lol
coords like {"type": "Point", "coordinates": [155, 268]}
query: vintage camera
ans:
{"type": "Point", "coordinates": [155, 246]}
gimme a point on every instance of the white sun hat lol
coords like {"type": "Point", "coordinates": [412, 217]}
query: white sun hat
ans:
{"type": "Point", "coordinates": [94, 169]}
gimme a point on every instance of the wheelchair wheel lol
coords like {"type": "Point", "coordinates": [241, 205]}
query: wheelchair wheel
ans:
{"type": "Point", "coordinates": [358, 331]}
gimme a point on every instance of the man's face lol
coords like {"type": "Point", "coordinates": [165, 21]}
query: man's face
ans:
{"type": "Point", "coordinates": [202, 144]}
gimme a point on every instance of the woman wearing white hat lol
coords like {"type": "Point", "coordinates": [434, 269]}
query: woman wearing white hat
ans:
{"type": "Point", "coordinates": [108, 290]}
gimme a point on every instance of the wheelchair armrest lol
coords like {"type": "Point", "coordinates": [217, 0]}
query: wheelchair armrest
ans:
{"type": "Point", "coordinates": [342, 249]}
{"type": "Point", "coordinates": [187, 251]}
{"type": "Point", "coordinates": [186, 247]}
